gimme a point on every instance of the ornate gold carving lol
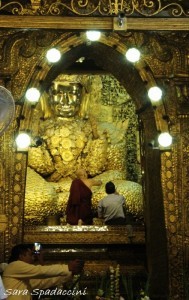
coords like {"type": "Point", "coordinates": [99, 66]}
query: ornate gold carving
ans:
{"type": "Point", "coordinates": [169, 163]}
{"type": "Point", "coordinates": [3, 222]}
{"type": "Point", "coordinates": [98, 7]}
{"type": "Point", "coordinates": [83, 235]}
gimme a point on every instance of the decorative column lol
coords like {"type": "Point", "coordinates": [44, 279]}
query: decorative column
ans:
{"type": "Point", "coordinates": [156, 235]}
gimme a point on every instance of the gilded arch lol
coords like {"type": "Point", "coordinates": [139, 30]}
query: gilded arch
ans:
{"type": "Point", "coordinates": [136, 79]}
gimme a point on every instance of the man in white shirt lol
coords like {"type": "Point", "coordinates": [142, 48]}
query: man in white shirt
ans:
{"type": "Point", "coordinates": [2, 290]}
{"type": "Point", "coordinates": [22, 278]}
{"type": "Point", "coordinates": [112, 207]}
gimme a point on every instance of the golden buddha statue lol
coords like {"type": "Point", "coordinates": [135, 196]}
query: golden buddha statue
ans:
{"type": "Point", "coordinates": [77, 131]}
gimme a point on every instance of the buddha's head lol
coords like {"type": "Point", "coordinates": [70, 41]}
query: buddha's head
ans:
{"type": "Point", "coordinates": [65, 98]}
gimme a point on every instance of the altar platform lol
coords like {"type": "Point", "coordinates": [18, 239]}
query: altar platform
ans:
{"type": "Point", "coordinates": [101, 247]}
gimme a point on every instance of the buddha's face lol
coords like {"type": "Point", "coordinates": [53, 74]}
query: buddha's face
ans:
{"type": "Point", "coordinates": [65, 98]}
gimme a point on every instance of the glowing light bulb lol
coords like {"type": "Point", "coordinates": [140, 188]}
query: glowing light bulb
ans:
{"type": "Point", "coordinates": [33, 95]}
{"type": "Point", "coordinates": [165, 139]}
{"type": "Point", "coordinates": [93, 35]}
{"type": "Point", "coordinates": [133, 55]}
{"type": "Point", "coordinates": [155, 93]}
{"type": "Point", "coordinates": [23, 140]}
{"type": "Point", "coordinates": [53, 55]}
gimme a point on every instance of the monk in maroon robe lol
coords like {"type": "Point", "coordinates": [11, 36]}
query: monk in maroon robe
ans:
{"type": "Point", "coordinates": [79, 207]}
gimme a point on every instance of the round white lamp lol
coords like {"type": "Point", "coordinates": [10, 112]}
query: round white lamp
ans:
{"type": "Point", "coordinates": [93, 35]}
{"type": "Point", "coordinates": [133, 55]}
{"type": "Point", "coordinates": [23, 140]}
{"type": "Point", "coordinates": [155, 94]}
{"type": "Point", "coordinates": [53, 55]}
{"type": "Point", "coordinates": [165, 139]}
{"type": "Point", "coordinates": [33, 95]}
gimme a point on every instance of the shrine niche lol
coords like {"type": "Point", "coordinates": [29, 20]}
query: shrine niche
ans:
{"type": "Point", "coordinates": [100, 134]}
{"type": "Point", "coordinates": [103, 137]}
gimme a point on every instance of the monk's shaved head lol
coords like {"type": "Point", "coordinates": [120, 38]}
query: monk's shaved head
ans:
{"type": "Point", "coordinates": [81, 173]}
